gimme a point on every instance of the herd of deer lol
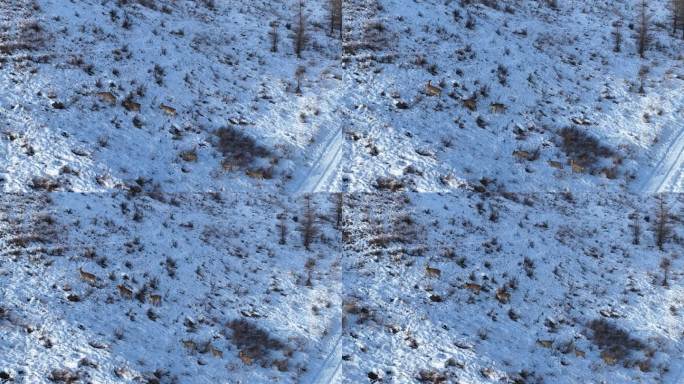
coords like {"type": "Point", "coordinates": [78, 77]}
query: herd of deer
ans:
{"type": "Point", "coordinates": [131, 105]}
{"type": "Point", "coordinates": [124, 291]}
{"type": "Point", "coordinates": [501, 294]}
{"type": "Point", "coordinates": [471, 104]}
{"type": "Point", "coordinates": [529, 156]}
{"type": "Point", "coordinates": [192, 346]}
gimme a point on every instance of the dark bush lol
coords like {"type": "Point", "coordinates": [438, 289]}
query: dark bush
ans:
{"type": "Point", "coordinates": [253, 341]}
{"type": "Point", "coordinates": [613, 341]}
{"type": "Point", "coordinates": [583, 148]}
{"type": "Point", "coordinates": [238, 149]}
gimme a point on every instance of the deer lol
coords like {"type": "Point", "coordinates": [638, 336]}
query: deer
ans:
{"type": "Point", "coordinates": [432, 272]}
{"type": "Point", "coordinates": [476, 288]}
{"type": "Point", "coordinates": [556, 164]}
{"type": "Point", "coordinates": [576, 168]}
{"type": "Point", "coordinates": [106, 97]}
{"type": "Point", "coordinates": [125, 291]}
{"type": "Point", "coordinates": [189, 344]}
{"type": "Point", "coordinates": [245, 358]}
{"type": "Point", "coordinates": [87, 276]}
{"type": "Point", "coordinates": [497, 107]}
{"type": "Point", "coordinates": [131, 105]}
{"type": "Point", "coordinates": [470, 103]}
{"type": "Point", "coordinates": [502, 295]}
{"type": "Point", "coordinates": [168, 110]}
{"type": "Point", "coordinates": [216, 352]}
{"type": "Point", "coordinates": [431, 90]}
{"type": "Point", "coordinates": [155, 300]}
{"type": "Point", "coordinates": [522, 155]}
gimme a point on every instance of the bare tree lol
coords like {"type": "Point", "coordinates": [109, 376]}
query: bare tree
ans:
{"type": "Point", "coordinates": [336, 17]}
{"type": "Point", "coordinates": [678, 16]}
{"type": "Point", "coordinates": [308, 226]}
{"type": "Point", "coordinates": [662, 226]}
{"type": "Point", "coordinates": [299, 74]}
{"type": "Point", "coordinates": [274, 36]}
{"type": "Point", "coordinates": [617, 34]}
{"type": "Point", "coordinates": [300, 31]}
{"type": "Point", "coordinates": [282, 228]}
{"type": "Point", "coordinates": [665, 265]}
{"type": "Point", "coordinates": [339, 209]}
{"type": "Point", "coordinates": [643, 34]}
{"type": "Point", "coordinates": [643, 72]}
{"type": "Point", "coordinates": [636, 229]}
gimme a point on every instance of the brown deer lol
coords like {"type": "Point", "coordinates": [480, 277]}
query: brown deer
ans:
{"type": "Point", "coordinates": [87, 276]}
{"type": "Point", "coordinates": [497, 107]}
{"type": "Point", "coordinates": [432, 272]}
{"type": "Point", "coordinates": [189, 344]}
{"type": "Point", "coordinates": [503, 296]}
{"type": "Point", "coordinates": [168, 110]}
{"type": "Point", "coordinates": [155, 300]}
{"type": "Point", "coordinates": [556, 164]}
{"type": "Point", "coordinates": [470, 103]}
{"type": "Point", "coordinates": [107, 97]}
{"type": "Point", "coordinates": [476, 288]}
{"type": "Point", "coordinates": [576, 168]}
{"type": "Point", "coordinates": [216, 352]}
{"type": "Point", "coordinates": [431, 90]}
{"type": "Point", "coordinates": [131, 105]}
{"type": "Point", "coordinates": [245, 358]}
{"type": "Point", "coordinates": [125, 291]}
{"type": "Point", "coordinates": [522, 155]}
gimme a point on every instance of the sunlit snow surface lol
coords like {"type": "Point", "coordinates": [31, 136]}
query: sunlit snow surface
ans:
{"type": "Point", "coordinates": [462, 248]}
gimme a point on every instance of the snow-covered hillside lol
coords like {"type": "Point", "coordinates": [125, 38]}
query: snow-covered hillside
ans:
{"type": "Point", "coordinates": [526, 87]}
{"type": "Point", "coordinates": [179, 93]}
{"type": "Point", "coordinates": [537, 288]}
{"type": "Point", "coordinates": [175, 288]}
{"type": "Point", "coordinates": [454, 191]}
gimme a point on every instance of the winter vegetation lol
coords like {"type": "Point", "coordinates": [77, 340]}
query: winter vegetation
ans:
{"type": "Point", "coordinates": [342, 191]}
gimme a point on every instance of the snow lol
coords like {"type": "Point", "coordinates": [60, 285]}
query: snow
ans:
{"type": "Point", "coordinates": [668, 173]}
{"type": "Point", "coordinates": [453, 240]}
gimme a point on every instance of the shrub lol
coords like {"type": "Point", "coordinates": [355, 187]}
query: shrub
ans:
{"type": "Point", "coordinates": [615, 343]}
{"type": "Point", "coordinates": [253, 341]}
{"type": "Point", "coordinates": [584, 149]}
{"type": "Point", "coordinates": [238, 149]}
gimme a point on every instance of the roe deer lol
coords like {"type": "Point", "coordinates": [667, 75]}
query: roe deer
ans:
{"type": "Point", "coordinates": [556, 164]}
{"type": "Point", "coordinates": [432, 272]}
{"type": "Point", "coordinates": [87, 276]}
{"type": "Point", "coordinates": [189, 344]}
{"type": "Point", "coordinates": [106, 97]}
{"type": "Point", "coordinates": [155, 300]}
{"type": "Point", "coordinates": [431, 90]}
{"type": "Point", "coordinates": [125, 291]}
{"type": "Point", "coordinates": [522, 155]}
{"type": "Point", "coordinates": [245, 359]}
{"type": "Point", "coordinates": [503, 296]}
{"type": "Point", "coordinates": [216, 352]}
{"type": "Point", "coordinates": [576, 168]}
{"type": "Point", "coordinates": [471, 103]}
{"type": "Point", "coordinates": [168, 110]}
{"type": "Point", "coordinates": [497, 107]}
{"type": "Point", "coordinates": [476, 288]}
{"type": "Point", "coordinates": [131, 105]}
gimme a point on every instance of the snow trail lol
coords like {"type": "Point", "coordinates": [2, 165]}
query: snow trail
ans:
{"type": "Point", "coordinates": [330, 370]}
{"type": "Point", "coordinates": [667, 173]}
{"type": "Point", "coordinates": [323, 170]}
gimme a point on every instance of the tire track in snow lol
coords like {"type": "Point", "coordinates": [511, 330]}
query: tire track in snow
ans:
{"type": "Point", "coordinates": [668, 169]}
{"type": "Point", "coordinates": [329, 369]}
{"type": "Point", "coordinates": [325, 167]}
